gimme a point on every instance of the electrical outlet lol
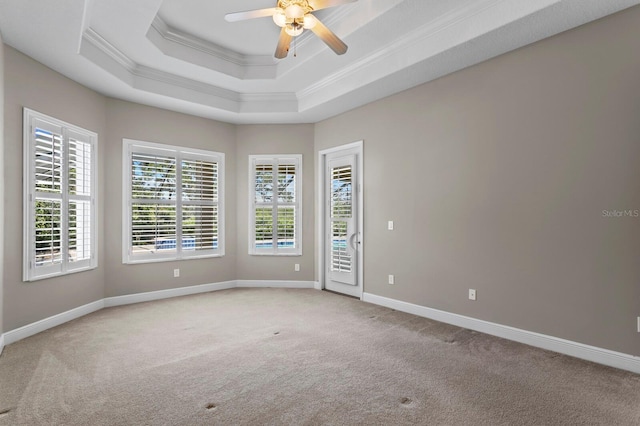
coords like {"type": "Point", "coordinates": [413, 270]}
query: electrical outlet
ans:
{"type": "Point", "coordinates": [390, 225]}
{"type": "Point", "coordinates": [472, 294]}
{"type": "Point", "coordinates": [296, 267]}
{"type": "Point", "coordinates": [392, 279]}
{"type": "Point", "coordinates": [176, 273]}
{"type": "Point", "coordinates": [638, 324]}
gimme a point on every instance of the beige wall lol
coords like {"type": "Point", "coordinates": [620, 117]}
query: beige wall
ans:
{"type": "Point", "coordinates": [133, 121]}
{"type": "Point", "coordinates": [32, 85]}
{"type": "Point", "coordinates": [2, 178]}
{"type": "Point", "coordinates": [35, 86]}
{"type": "Point", "coordinates": [497, 177]}
{"type": "Point", "coordinates": [275, 139]}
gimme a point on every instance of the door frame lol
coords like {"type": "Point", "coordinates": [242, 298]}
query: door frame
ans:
{"type": "Point", "coordinates": [321, 210]}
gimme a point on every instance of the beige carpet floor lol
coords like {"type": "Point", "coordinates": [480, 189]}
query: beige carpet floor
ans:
{"type": "Point", "coordinates": [296, 357]}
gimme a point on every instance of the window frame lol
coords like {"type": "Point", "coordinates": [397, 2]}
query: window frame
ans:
{"type": "Point", "coordinates": [129, 146]}
{"type": "Point", "coordinates": [31, 120]}
{"type": "Point", "coordinates": [275, 161]}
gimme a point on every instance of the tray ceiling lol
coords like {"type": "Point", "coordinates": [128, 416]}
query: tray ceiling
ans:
{"type": "Point", "coordinates": [183, 56]}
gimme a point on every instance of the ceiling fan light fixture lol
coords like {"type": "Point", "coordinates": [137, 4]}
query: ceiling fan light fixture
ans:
{"type": "Point", "coordinates": [279, 17]}
{"type": "Point", "coordinates": [309, 21]}
{"type": "Point", "coordinates": [293, 17]}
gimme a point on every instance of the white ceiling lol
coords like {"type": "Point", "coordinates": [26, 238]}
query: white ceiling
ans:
{"type": "Point", "coordinates": [183, 56]}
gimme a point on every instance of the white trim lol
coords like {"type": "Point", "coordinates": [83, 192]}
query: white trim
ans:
{"type": "Point", "coordinates": [105, 55]}
{"type": "Point", "coordinates": [274, 284]}
{"type": "Point", "coordinates": [567, 347]}
{"type": "Point", "coordinates": [53, 321]}
{"type": "Point", "coordinates": [166, 294]}
{"type": "Point", "coordinates": [108, 302]}
{"type": "Point", "coordinates": [351, 145]}
{"type": "Point", "coordinates": [320, 210]}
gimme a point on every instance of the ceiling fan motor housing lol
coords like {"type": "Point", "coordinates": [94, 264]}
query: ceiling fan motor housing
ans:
{"type": "Point", "coordinates": [295, 8]}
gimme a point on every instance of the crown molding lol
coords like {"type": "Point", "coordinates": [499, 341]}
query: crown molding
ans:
{"type": "Point", "coordinates": [271, 102]}
{"type": "Point", "coordinates": [321, 85]}
{"type": "Point", "coordinates": [105, 55]}
{"type": "Point", "coordinates": [90, 36]}
{"type": "Point", "coordinates": [333, 17]}
{"type": "Point", "coordinates": [191, 49]}
{"type": "Point", "coordinates": [421, 44]}
{"type": "Point", "coordinates": [380, 62]}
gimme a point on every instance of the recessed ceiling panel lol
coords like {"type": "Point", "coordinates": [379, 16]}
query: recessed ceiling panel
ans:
{"type": "Point", "coordinates": [204, 19]}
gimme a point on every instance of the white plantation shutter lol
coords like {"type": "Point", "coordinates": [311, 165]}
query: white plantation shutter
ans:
{"type": "Point", "coordinates": [263, 185]}
{"type": "Point", "coordinates": [173, 196]}
{"type": "Point", "coordinates": [275, 199]}
{"type": "Point", "coordinates": [263, 217]}
{"type": "Point", "coordinates": [153, 210]}
{"type": "Point", "coordinates": [80, 238]}
{"type": "Point", "coordinates": [47, 199]}
{"type": "Point", "coordinates": [48, 243]}
{"type": "Point", "coordinates": [59, 197]}
{"type": "Point", "coordinates": [286, 224]}
{"type": "Point", "coordinates": [341, 212]}
{"type": "Point", "coordinates": [200, 194]}
{"type": "Point", "coordinates": [286, 182]}
{"type": "Point", "coordinates": [79, 220]}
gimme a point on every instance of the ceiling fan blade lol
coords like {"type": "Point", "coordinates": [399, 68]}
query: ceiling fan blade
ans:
{"type": "Point", "coordinates": [323, 4]}
{"type": "Point", "coordinates": [329, 38]}
{"type": "Point", "coordinates": [283, 45]}
{"type": "Point", "coordinates": [249, 14]}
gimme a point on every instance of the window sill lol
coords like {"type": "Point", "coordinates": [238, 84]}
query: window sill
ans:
{"type": "Point", "coordinates": [277, 254]}
{"type": "Point", "coordinates": [60, 274]}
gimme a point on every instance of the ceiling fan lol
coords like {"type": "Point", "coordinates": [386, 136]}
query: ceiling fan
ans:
{"type": "Point", "coordinates": [294, 16]}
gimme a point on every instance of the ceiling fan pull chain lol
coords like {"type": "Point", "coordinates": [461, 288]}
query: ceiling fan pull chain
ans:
{"type": "Point", "coordinates": [295, 50]}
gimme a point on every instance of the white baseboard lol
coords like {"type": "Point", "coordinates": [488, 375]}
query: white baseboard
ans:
{"type": "Point", "coordinates": [53, 321]}
{"type": "Point", "coordinates": [276, 284]}
{"type": "Point", "coordinates": [166, 294]}
{"type": "Point", "coordinates": [567, 347]}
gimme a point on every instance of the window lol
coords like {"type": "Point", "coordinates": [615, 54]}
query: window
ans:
{"type": "Point", "coordinates": [59, 197]}
{"type": "Point", "coordinates": [275, 193]}
{"type": "Point", "coordinates": [172, 202]}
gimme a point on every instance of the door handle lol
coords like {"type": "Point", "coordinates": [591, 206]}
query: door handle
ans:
{"type": "Point", "coordinates": [351, 241]}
